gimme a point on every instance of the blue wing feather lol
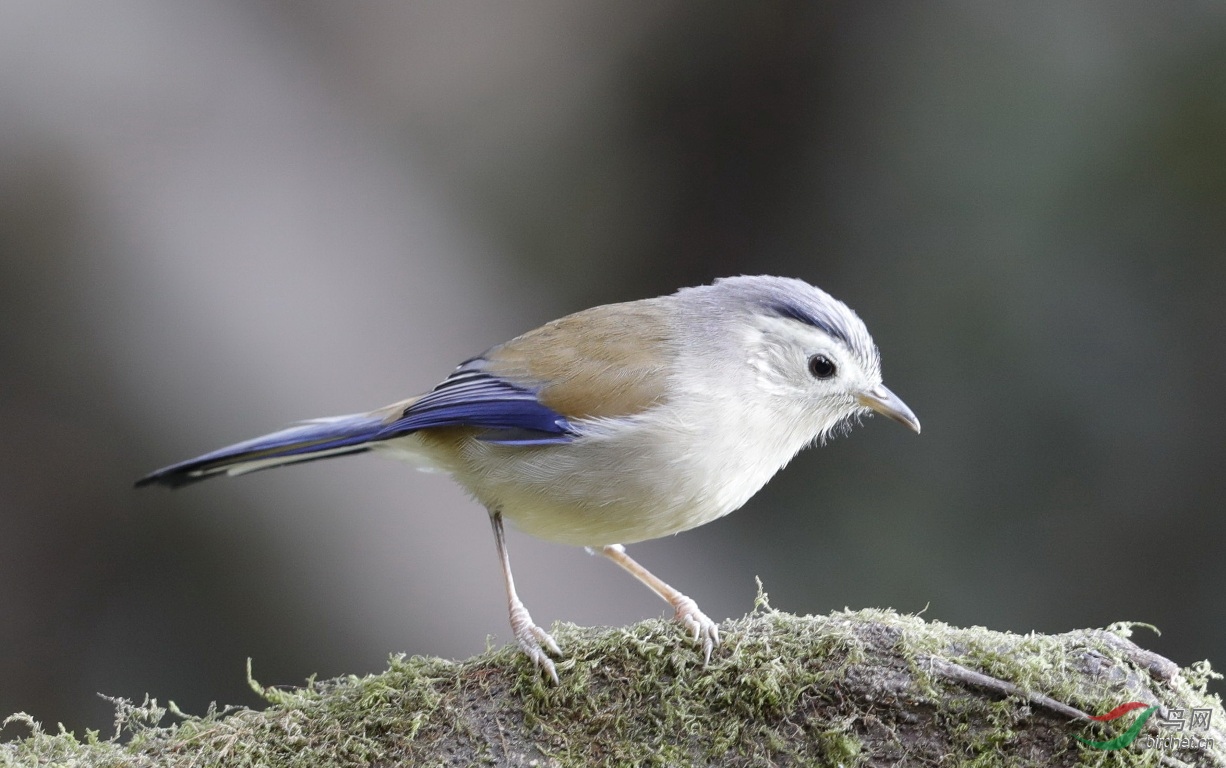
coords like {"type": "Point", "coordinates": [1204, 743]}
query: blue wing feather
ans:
{"type": "Point", "coordinates": [472, 398]}
{"type": "Point", "coordinates": [505, 414]}
{"type": "Point", "coordinates": [335, 436]}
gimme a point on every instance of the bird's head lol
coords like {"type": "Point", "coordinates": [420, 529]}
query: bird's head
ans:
{"type": "Point", "coordinates": [809, 352]}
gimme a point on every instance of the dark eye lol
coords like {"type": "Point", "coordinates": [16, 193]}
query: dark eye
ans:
{"type": "Point", "coordinates": [821, 367]}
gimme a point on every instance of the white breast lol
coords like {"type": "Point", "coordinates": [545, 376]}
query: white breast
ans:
{"type": "Point", "coordinates": [627, 480]}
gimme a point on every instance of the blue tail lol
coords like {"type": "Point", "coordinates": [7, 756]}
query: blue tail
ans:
{"type": "Point", "coordinates": [318, 439]}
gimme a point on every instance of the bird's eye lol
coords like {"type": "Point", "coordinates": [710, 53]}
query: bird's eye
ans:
{"type": "Point", "coordinates": [821, 367]}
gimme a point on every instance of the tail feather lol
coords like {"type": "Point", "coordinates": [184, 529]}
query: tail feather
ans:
{"type": "Point", "coordinates": [318, 439]}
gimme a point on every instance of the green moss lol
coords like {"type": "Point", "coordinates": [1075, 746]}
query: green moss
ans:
{"type": "Point", "coordinates": [844, 689]}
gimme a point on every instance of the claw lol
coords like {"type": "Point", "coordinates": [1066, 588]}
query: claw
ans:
{"type": "Point", "coordinates": [541, 661]}
{"type": "Point", "coordinates": [702, 629]}
{"type": "Point", "coordinates": [531, 637]}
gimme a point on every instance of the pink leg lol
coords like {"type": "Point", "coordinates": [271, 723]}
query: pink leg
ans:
{"type": "Point", "coordinates": [529, 636]}
{"type": "Point", "coordinates": [701, 628]}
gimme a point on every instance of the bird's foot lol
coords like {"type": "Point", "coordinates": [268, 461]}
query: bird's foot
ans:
{"type": "Point", "coordinates": [701, 628]}
{"type": "Point", "coordinates": [534, 641]}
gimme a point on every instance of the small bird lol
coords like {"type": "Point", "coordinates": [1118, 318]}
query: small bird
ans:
{"type": "Point", "coordinates": [617, 424]}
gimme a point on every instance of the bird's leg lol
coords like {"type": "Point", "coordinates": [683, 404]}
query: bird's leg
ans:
{"type": "Point", "coordinates": [700, 627]}
{"type": "Point", "coordinates": [529, 636]}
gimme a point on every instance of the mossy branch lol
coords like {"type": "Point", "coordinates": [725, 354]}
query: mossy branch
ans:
{"type": "Point", "coordinates": [869, 688]}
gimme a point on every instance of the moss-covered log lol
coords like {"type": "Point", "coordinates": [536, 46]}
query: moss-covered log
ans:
{"type": "Point", "coordinates": [869, 688]}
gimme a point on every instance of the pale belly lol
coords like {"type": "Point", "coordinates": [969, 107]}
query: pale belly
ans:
{"type": "Point", "coordinates": [594, 492]}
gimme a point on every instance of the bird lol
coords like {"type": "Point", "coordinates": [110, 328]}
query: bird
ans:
{"type": "Point", "coordinates": [617, 424]}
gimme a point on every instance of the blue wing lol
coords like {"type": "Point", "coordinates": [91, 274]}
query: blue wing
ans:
{"type": "Point", "coordinates": [505, 413]}
{"type": "Point", "coordinates": [509, 414]}
{"type": "Point", "coordinates": [318, 439]}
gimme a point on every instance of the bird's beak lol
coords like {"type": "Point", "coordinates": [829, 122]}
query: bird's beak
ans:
{"type": "Point", "coordinates": [886, 403]}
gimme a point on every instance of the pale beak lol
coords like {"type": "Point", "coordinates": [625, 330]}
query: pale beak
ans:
{"type": "Point", "coordinates": [886, 403]}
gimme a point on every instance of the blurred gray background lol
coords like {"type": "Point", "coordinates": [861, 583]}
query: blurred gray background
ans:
{"type": "Point", "coordinates": [220, 217]}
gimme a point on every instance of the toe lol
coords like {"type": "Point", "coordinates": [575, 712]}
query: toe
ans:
{"type": "Point", "coordinates": [546, 639]}
{"type": "Point", "coordinates": [545, 664]}
{"type": "Point", "coordinates": [701, 628]}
